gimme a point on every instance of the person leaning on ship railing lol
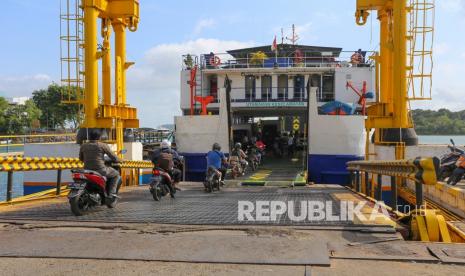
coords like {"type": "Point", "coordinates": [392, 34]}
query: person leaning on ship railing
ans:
{"type": "Point", "coordinates": [357, 58]}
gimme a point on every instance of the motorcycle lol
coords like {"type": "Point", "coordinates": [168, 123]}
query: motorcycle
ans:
{"type": "Point", "coordinates": [458, 172]}
{"type": "Point", "coordinates": [212, 180]}
{"type": "Point", "coordinates": [160, 184]}
{"type": "Point", "coordinates": [179, 164]}
{"type": "Point", "coordinates": [237, 168]}
{"type": "Point", "coordinates": [88, 190]}
{"type": "Point", "coordinates": [252, 158]}
{"type": "Point", "coordinates": [448, 161]}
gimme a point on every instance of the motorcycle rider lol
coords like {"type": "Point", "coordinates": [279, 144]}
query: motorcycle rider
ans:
{"type": "Point", "coordinates": [216, 159]}
{"type": "Point", "coordinates": [92, 155]}
{"type": "Point", "coordinates": [237, 151]}
{"type": "Point", "coordinates": [175, 173]}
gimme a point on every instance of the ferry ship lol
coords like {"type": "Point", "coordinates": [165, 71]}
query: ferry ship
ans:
{"type": "Point", "coordinates": [316, 94]}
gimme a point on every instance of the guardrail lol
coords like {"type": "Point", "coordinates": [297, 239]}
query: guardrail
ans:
{"type": "Point", "coordinates": [21, 164]}
{"type": "Point", "coordinates": [152, 136]}
{"type": "Point", "coordinates": [247, 60]}
{"type": "Point", "coordinates": [426, 223]}
{"type": "Point", "coordinates": [421, 170]}
{"type": "Point", "coordinates": [15, 143]}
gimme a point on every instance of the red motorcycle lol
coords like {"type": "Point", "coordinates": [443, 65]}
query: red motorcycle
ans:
{"type": "Point", "coordinates": [88, 190]}
{"type": "Point", "coordinates": [160, 184]}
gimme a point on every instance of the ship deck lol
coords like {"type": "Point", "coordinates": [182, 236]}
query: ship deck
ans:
{"type": "Point", "coordinates": [192, 206]}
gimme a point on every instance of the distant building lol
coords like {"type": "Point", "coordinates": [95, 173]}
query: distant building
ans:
{"type": "Point", "coordinates": [18, 100]}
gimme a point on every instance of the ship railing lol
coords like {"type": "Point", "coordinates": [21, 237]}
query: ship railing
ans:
{"type": "Point", "coordinates": [152, 136]}
{"type": "Point", "coordinates": [269, 94]}
{"type": "Point", "coordinates": [16, 143]}
{"type": "Point", "coordinates": [129, 173]}
{"type": "Point", "coordinates": [308, 60]}
{"type": "Point", "coordinates": [429, 221]}
{"type": "Point", "coordinates": [367, 176]}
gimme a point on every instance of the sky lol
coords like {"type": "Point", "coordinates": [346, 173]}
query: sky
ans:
{"type": "Point", "coordinates": [30, 47]}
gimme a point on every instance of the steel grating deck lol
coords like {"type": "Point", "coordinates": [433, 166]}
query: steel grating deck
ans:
{"type": "Point", "coordinates": [191, 207]}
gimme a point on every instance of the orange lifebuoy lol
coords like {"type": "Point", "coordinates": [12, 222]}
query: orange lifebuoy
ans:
{"type": "Point", "coordinates": [215, 61]}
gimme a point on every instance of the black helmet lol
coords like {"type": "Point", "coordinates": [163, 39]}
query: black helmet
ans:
{"type": "Point", "coordinates": [216, 146]}
{"type": "Point", "coordinates": [94, 134]}
{"type": "Point", "coordinates": [238, 146]}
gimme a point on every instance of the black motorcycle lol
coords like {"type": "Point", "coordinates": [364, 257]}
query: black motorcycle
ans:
{"type": "Point", "coordinates": [252, 158]}
{"type": "Point", "coordinates": [160, 184]}
{"type": "Point", "coordinates": [88, 190]}
{"type": "Point", "coordinates": [212, 180]}
{"type": "Point", "coordinates": [448, 161]}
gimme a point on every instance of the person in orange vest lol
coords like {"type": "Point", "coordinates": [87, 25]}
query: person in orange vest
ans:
{"type": "Point", "coordinates": [357, 58]}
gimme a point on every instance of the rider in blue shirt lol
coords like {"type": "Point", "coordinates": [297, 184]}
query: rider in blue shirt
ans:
{"type": "Point", "coordinates": [216, 159]}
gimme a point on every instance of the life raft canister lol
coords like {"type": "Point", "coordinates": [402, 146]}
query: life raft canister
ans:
{"type": "Point", "coordinates": [215, 61]}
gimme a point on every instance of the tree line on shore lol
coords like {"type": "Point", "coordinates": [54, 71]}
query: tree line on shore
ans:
{"type": "Point", "coordinates": [440, 122]}
{"type": "Point", "coordinates": [45, 111]}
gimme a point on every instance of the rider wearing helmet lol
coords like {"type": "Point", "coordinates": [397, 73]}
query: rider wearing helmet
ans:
{"type": "Point", "coordinates": [237, 151]}
{"type": "Point", "coordinates": [92, 154]}
{"type": "Point", "coordinates": [216, 159]}
{"type": "Point", "coordinates": [175, 173]}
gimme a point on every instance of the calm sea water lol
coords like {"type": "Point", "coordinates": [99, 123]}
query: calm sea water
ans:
{"type": "Point", "coordinates": [441, 139]}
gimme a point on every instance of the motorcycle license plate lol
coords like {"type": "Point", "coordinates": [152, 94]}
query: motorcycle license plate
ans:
{"type": "Point", "coordinates": [156, 178]}
{"type": "Point", "coordinates": [76, 186]}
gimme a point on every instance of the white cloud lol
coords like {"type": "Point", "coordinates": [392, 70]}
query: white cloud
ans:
{"type": "Point", "coordinates": [154, 83]}
{"type": "Point", "coordinates": [203, 24]}
{"type": "Point", "coordinates": [451, 5]}
{"type": "Point", "coordinates": [22, 85]}
{"type": "Point", "coordinates": [448, 91]}
{"type": "Point", "coordinates": [441, 48]}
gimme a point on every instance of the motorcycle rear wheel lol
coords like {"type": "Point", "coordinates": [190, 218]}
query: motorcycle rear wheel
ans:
{"type": "Point", "coordinates": [156, 192]}
{"type": "Point", "coordinates": [209, 186]}
{"type": "Point", "coordinates": [444, 173]}
{"type": "Point", "coordinates": [79, 205]}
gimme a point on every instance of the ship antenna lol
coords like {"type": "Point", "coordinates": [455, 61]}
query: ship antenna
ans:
{"type": "Point", "coordinates": [294, 37]}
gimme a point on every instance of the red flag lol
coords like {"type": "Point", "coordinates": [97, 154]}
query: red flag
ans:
{"type": "Point", "coordinates": [274, 46]}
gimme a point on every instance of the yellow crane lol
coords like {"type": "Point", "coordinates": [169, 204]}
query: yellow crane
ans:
{"type": "Point", "coordinates": [83, 52]}
{"type": "Point", "coordinates": [402, 24]}
{"type": "Point", "coordinates": [118, 15]}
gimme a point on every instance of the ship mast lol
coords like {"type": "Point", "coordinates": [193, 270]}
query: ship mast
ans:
{"type": "Point", "coordinates": [295, 37]}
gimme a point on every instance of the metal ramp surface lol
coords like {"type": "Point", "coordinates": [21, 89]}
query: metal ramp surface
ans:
{"type": "Point", "coordinates": [276, 172]}
{"type": "Point", "coordinates": [192, 206]}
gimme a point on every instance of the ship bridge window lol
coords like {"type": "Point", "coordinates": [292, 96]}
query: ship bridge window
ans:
{"type": "Point", "coordinates": [327, 90]}
{"type": "Point", "coordinates": [282, 87]}
{"type": "Point", "coordinates": [299, 87]}
{"type": "Point", "coordinates": [266, 87]}
{"type": "Point", "coordinates": [249, 87]}
{"type": "Point", "coordinates": [213, 86]}
{"type": "Point", "coordinates": [315, 81]}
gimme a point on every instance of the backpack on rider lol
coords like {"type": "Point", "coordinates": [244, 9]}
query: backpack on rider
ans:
{"type": "Point", "coordinates": [165, 161]}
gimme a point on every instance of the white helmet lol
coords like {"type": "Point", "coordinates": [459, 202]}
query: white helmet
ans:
{"type": "Point", "coordinates": [165, 144]}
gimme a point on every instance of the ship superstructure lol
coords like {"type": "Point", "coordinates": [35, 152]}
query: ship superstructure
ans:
{"type": "Point", "coordinates": [317, 94]}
